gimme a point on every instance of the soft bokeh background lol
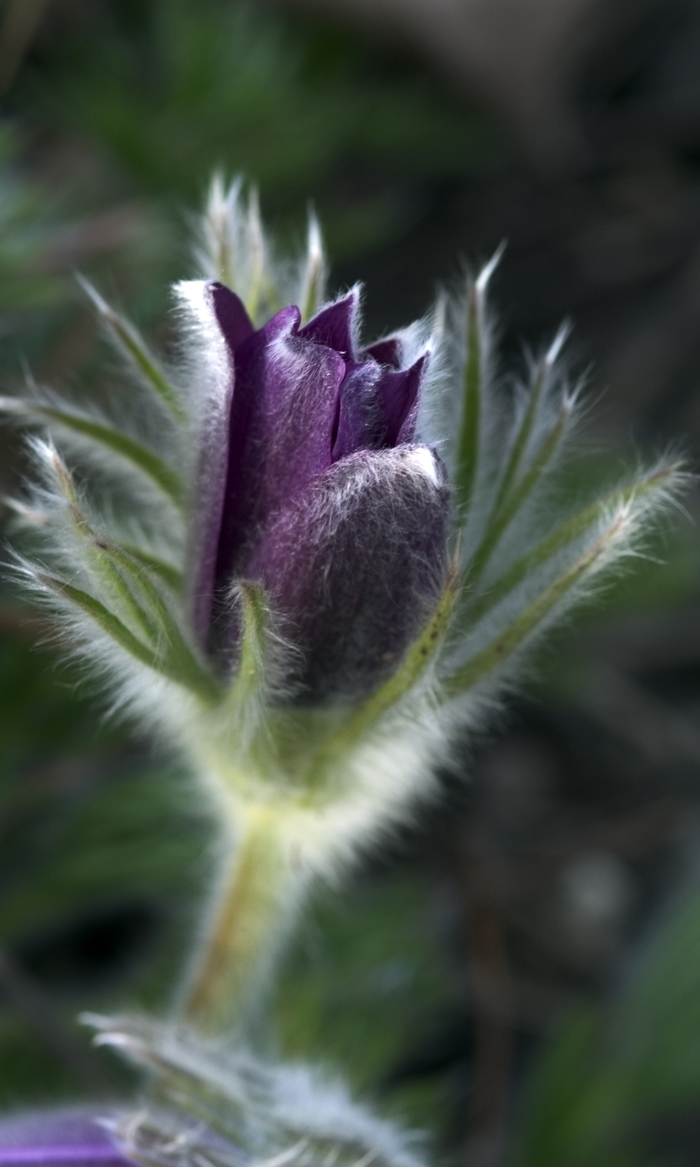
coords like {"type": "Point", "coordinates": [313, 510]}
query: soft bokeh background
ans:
{"type": "Point", "coordinates": [519, 973]}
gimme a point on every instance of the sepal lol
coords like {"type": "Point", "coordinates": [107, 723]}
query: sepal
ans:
{"type": "Point", "coordinates": [132, 347]}
{"type": "Point", "coordinates": [233, 249]}
{"type": "Point", "coordinates": [100, 434]}
{"type": "Point", "coordinates": [224, 1107]}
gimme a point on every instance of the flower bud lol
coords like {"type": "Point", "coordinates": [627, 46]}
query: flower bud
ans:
{"type": "Point", "coordinates": [310, 483]}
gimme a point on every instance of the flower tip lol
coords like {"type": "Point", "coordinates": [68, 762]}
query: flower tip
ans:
{"type": "Point", "coordinates": [47, 453]}
{"type": "Point", "coordinates": [28, 516]}
{"type": "Point", "coordinates": [484, 277]}
{"type": "Point", "coordinates": [554, 350]}
{"type": "Point", "coordinates": [314, 239]}
{"type": "Point", "coordinates": [216, 195]}
{"type": "Point", "coordinates": [12, 405]}
{"type": "Point", "coordinates": [97, 301]}
{"type": "Point", "coordinates": [44, 451]}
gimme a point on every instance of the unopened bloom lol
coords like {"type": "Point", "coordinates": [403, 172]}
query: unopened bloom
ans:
{"type": "Point", "coordinates": [323, 557]}
{"type": "Point", "coordinates": [311, 482]}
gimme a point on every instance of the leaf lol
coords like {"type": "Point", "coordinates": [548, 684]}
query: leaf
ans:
{"type": "Point", "coordinates": [110, 623]}
{"type": "Point", "coordinates": [503, 516]}
{"type": "Point", "coordinates": [99, 552]}
{"type": "Point", "coordinates": [177, 658]}
{"type": "Point", "coordinates": [249, 673]}
{"type": "Point", "coordinates": [609, 1076]}
{"type": "Point", "coordinates": [160, 567]}
{"type": "Point", "coordinates": [657, 1028]}
{"type": "Point", "coordinates": [494, 655]}
{"type": "Point", "coordinates": [527, 422]}
{"type": "Point", "coordinates": [562, 1074]}
{"type": "Point", "coordinates": [168, 665]}
{"type": "Point", "coordinates": [468, 448]}
{"type": "Point", "coordinates": [119, 443]}
{"type": "Point", "coordinates": [134, 348]}
{"type": "Point", "coordinates": [562, 536]}
{"type": "Point", "coordinates": [314, 277]}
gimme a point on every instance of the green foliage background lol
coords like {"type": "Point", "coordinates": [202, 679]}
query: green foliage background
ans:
{"type": "Point", "coordinates": [110, 132]}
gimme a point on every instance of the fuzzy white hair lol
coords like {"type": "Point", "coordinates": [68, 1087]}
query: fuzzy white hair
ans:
{"type": "Point", "coordinates": [225, 1107]}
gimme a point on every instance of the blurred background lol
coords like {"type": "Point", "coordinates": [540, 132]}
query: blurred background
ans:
{"type": "Point", "coordinates": [519, 973]}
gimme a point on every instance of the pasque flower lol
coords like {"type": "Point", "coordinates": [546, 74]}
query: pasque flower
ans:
{"type": "Point", "coordinates": [229, 1111]}
{"type": "Point", "coordinates": [320, 558]}
{"type": "Point", "coordinates": [311, 481]}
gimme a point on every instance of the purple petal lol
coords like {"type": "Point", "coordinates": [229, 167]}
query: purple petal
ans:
{"type": "Point", "coordinates": [232, 318]}
{"type": "Point", "coordinates": [281, 430]}
{"type": "Point", "coordinates": [67, 1139]}
{"type": "Point", "coordinates": [386, 352]}
{"type": "Point", "coordinates": [358, 416]}
{"type": "Point", "coordinates": [354, 567]}
{"type": "Point", "coordinates": [334, 326]}
{"type": "Point", "coordinates": [398, 403]}
{"type": "Point", "coordinates": [208, 502]}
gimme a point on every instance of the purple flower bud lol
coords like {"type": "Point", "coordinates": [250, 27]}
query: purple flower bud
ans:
{"type": "Point", "coordinates": [311, 483]}
{"type": "Point", "coordinates": [62, 1139]}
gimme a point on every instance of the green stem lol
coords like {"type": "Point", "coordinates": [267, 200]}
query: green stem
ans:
{"type": "Point", "coordinates": [256, 896]}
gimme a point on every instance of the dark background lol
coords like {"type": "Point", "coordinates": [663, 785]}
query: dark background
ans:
{"type": "Point", "coordinates": [520, 972]}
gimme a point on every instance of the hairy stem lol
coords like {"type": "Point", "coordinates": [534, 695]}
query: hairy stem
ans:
{"type": "Point", "coordinates": [254, 903]}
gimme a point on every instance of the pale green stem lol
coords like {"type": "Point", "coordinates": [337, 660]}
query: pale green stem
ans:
{"type": "Point", "coordinates": [253, 905]}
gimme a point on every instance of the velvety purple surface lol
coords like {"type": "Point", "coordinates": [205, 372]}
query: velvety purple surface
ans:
{"type": "Point", "coordinates": [297, 490]}
{"type": "Point", "coordinates": [283, 413]}
{"type": "Point", "coordinates": [355, 563]}
{"type": "Point", "coordinates": [61, 1138]}
{"type": "Point", "coordinates": [386, 352]}
{"type": "Point", "coordinates": [358, 414]}
{"type": "Point", "coordinates": [334, 326]}
{"type": "Point", "coordinates": [235, 326]}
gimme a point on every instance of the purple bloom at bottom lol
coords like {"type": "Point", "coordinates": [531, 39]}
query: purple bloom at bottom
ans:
{"type": "Point", "coordinates": [68, 1138]}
